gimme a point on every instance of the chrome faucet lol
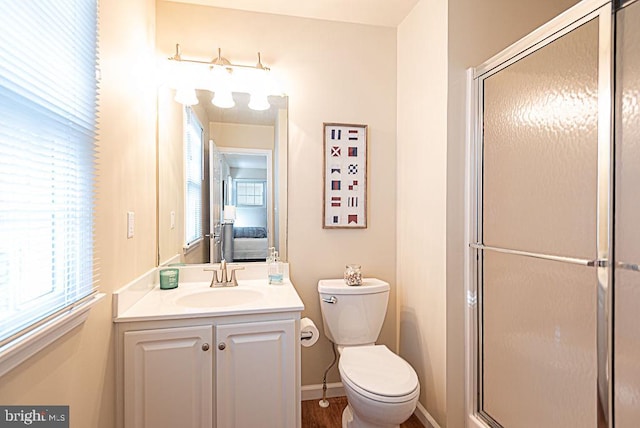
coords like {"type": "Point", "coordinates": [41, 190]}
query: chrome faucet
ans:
{"type": "Point", "coordinates": [225, 280]}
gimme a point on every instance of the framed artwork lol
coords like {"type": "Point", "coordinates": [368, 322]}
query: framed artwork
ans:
{"type": "Point", "coordinates": [345, 176]}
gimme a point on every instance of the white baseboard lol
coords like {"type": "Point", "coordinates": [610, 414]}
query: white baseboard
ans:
{"type": "Point", "coordinates": [424, 417]}
{"type": "Point", "coordinates": [314, 392]}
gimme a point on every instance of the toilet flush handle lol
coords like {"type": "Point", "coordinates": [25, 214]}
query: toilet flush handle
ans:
{"type": "Point", "coordinates": [331, 299]}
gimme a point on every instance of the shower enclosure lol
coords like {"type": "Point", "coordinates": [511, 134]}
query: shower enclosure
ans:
{"type": "Point", "coordinates": [554, 290]}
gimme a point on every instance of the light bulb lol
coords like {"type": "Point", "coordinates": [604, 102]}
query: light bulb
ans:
{"type": "Point", "coordinates": [223, 99]}
{"type": "Point", "coordinates": [186, 96]}
{"type": "Point", "coordinates": [258, 101]}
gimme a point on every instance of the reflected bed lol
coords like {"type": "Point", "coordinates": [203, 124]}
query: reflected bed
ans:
{"type": "Point", "coordinates": [249, 243]}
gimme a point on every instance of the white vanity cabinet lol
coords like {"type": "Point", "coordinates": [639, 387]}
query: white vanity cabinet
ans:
{"type": "Point", "coordinates": [168, 377]}
{"type": "Point", "coordinates": [227, 372]}
{"type": "Point", "coordinates": [202, 357]}
{"type": "Point", "coordinates": [256, 375]}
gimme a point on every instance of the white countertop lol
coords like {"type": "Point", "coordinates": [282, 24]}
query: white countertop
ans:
{"type": "Point", "coordinates": [153, 303]}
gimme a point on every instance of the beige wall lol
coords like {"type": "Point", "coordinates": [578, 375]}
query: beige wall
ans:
{"type": "Point", "coordinates": [239, 135]}
{"type": "Point", "coordinates": [334, 72]}
{"type": "Point", "coordinates": [422, 180]}
{"type": "Point", "coordinates": [489, 27]}
{"type": "Point", "coordinates": [79, 369]}
{"type": "Point", "coordinates": [170, 175]}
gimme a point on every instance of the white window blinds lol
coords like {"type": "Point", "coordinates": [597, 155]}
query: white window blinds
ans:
{"type": "Point", "coordinates": [193, 177]}
{"type": "Point", "coordinates": [48, 107]}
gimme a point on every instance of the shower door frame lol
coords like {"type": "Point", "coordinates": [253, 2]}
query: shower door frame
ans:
{"type": "Point", "coordinates": [566, 22]}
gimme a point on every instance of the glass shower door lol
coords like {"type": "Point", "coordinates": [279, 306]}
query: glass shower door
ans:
{"type": "Point", "coordinates": [627, 219]}
{"type": "Point", "coordinates": [542, 208]}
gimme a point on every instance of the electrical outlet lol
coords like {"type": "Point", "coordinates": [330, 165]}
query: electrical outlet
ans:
{"type": "Point", "coordinates": [173, 219]}
{"type": "Point", "coordinates": [130, 224]}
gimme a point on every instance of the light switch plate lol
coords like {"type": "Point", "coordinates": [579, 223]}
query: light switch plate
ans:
{"type": "Point", "coordinates": [130, 224]}
{"type": "Point", "coordinates": [173, 219]}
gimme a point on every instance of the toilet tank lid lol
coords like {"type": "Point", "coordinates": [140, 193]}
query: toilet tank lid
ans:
{"type": "Point", "coordinates": [338, 286]}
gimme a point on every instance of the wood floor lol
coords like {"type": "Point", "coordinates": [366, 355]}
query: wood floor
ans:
{"type": "Point", "coordinates": [314, 416]}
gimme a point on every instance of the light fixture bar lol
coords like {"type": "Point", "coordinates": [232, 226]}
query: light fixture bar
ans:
{"type": "Point", "coordinates": [219, 60]}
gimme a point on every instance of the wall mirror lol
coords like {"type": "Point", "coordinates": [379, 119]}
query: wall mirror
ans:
{"type": "Point", "coordinates": [233, 160]}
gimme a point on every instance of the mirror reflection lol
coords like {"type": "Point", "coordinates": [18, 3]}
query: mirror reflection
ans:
{"type": "Point", "coordinates": [221, 179]}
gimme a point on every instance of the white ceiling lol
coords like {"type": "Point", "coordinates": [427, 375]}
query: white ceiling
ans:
{"type": "Point", "coordinates": [387, 13]}
{"type": "Point", "coordinates": [243, 160]}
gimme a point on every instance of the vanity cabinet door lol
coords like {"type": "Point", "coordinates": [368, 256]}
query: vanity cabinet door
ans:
{"type": "Point", "coordinates": [168, 378]}
{"type": "Point", "coordinates": [256, 375]}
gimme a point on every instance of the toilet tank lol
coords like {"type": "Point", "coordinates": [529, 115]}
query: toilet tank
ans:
{"type": "Point", "coordinates": [356, 315]}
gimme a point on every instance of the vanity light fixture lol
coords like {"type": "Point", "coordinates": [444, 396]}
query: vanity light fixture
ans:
{"type": "Point", "coordinates": [258, 102]}
{"type": "Point", "coordinates": [251, 78]}
{"type": "Point", "coordinates": [223, 99]}
{"type": "Point", "coordinates": [186, 96]}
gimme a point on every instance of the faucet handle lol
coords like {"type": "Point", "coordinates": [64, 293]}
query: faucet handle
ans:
{"type": "Point", "coordinates": [214, 278]}
{"type": "Point", "coordinates": [233, 279]}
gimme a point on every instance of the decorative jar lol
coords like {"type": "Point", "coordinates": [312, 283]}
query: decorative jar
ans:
{"type": "Point", "coordinates": [353, 275]}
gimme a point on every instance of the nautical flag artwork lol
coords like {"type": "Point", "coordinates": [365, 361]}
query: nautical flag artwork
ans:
{"type": "Point", "coordinates": [345, 152]}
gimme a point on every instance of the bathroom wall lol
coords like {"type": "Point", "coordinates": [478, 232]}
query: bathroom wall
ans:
{"type": "Point", "coordinates": [437, 43]}
{"type": "Point", "coordinates": [170, 175]}
{"type": "Point", "coordinates": [333, 72]}
{"type": "Point", "coordinates": [422, 179]}
{"type": "Point", "coordinates": [78, 370]}
{"type": "Point", "coordinates": [242, 135]}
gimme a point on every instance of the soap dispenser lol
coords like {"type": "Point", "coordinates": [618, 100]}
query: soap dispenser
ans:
{"type": "Point", "coordinates": [275, 268]}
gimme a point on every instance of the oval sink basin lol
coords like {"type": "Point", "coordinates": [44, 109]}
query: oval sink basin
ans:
{"type": "Point", "coordinates": [219, 297]}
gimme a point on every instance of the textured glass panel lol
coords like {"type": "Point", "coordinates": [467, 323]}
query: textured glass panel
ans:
{"type": "Point", "coordinates": [539, 335]}
{"type": "Point", "coordinates": [627, 349]}
{"type": "Point", "coordinates": [627, 225]}
{"type": "Point", "coordinates": [540, 149]}
{"type": "Point", "coordinates": [627, 219]}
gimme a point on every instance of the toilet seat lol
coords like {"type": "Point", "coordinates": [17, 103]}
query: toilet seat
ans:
{"type": "Point", "coordinates": [378, 374]}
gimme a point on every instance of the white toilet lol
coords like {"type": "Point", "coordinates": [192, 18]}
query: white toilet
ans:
{"type": "Point", "coordinates": [382, 389]}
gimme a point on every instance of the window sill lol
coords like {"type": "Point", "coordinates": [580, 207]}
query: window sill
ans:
{"type": "Point", "coordinates": [193, 245]}
{"type": "Point", "coordinates": [25, 347]}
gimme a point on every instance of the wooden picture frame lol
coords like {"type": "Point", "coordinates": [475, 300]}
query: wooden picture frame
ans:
{"type": "Point", "coordinates": [345, 176]}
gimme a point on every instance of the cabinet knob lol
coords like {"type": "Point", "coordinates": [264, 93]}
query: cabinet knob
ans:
{"type": "Point", "coordinates": [221, 346]}
{"type": "Point", "coordinates": [205, 346]}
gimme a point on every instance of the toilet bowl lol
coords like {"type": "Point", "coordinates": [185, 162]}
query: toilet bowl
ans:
{"type": "Point", "coordinates": [382, 389]}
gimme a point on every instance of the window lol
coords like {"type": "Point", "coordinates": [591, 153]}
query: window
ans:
{"type": "Point", "coordinates": [249, 193]}
{"type": "Point", "coordinates": [193, 178]}
{"type": "Point", "coordinates": [48, 110]}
